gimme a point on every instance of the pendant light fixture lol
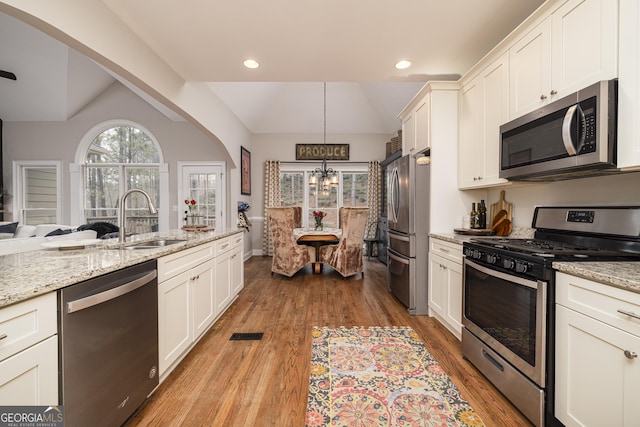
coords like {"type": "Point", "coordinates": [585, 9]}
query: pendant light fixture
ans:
{"type": "Point", "coordinates": [324, 177]}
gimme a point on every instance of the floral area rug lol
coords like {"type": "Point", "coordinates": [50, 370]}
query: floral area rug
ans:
{"type": "Point", "coordinates": [370, 377]}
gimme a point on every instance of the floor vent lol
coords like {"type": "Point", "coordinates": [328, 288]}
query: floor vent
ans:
{"type": "Point", "coordinates": [246, 336]}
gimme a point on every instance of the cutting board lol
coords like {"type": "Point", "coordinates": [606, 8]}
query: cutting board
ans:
{"type": "Point", "coordinates": [497, 207]}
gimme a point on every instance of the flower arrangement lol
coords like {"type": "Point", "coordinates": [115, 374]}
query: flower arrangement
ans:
{"type": "Point", "coordinates": [318, 216]}
{"type": "Point", "coordinates": [190, 216]}
{"type": "Point", "coordinates": [191, 203]}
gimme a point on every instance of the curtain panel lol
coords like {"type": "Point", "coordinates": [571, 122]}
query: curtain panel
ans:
{"type": "Point", "coordinates": [374, 196]}
{"type": "Point", "coordinates": [271, 199]}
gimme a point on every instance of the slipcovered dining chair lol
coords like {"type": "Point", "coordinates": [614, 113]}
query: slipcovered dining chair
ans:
{"type": "Point", "coordinates": [346, 256]}
{"type": "Point", "coordinates": [288, 256]}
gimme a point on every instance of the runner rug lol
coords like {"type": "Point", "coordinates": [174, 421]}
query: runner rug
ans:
{"type": "Point", "coordinates": [370, 377]}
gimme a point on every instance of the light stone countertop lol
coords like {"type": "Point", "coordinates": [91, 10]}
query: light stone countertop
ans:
{"type": "Point", "coordinates": [517, 233]}
{"type": "Point", "coordinates": [620, 274]}
{"type": "Point", "coordinates": [29, 274]}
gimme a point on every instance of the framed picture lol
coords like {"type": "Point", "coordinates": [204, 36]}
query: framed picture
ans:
{"type": "Point", "coordinates": [245, 171]}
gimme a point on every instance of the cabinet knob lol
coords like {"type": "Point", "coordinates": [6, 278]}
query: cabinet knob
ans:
{"type": "Point", "coordinates": [629, 313]}
{"type": "Point", "coordinates": [543, 97]}
{"type": "Point", "coordinates": [630, 354]}
{"type": "Point", "coordinates": [553, 92]}
{"type": "Point", "coordinates": [3, 336]}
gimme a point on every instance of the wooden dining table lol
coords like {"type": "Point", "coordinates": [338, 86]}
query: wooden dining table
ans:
{"type": "Point", "coordinates": [317, 238]}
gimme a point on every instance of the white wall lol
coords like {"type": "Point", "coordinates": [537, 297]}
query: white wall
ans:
{"type": "Point", "coordinates": [362, 148]}
{"type": "Point", "coordinates": [179, 141]}
{"type": "Point", "coordinates": [613, 190]}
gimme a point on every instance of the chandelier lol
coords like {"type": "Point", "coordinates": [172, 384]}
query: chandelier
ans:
{"type": "Point", "coordinates": [324, 177]}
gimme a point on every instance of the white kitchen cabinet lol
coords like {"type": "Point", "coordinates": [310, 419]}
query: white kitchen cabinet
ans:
{"type": "Point", "coordinates": [175, 334]}
{"type": "Point", "coordinates": [445, 284]}
{"type": "Point", "coordinates": [484, 106]}
{"type": "Point", "coordinates": [575, 46]}
{"type": "Point", "coordinates": [237, 270]}
{"type": "Point", "coordinates": [195, 286]}
{"type": "Point", "coordinates": [597, 348]}
{"type": "Point", "coordinates": [417, 117]}
{"type": "Point", "coordinates": [229, 270]}
{"type": "Point", "coordinates": [31, 376]}
{"type": "Point", "coordinates": [29, 352]}
{"type": "Point", "coordinates": [629, 86]}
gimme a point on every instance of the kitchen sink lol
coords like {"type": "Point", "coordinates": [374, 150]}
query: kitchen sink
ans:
{"type": "Point", "coordinates": [151, 244]}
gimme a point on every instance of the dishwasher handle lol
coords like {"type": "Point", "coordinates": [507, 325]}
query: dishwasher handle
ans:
{"type": "Point", "coordinates": [93, 300]}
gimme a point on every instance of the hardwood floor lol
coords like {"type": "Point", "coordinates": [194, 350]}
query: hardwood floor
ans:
{"type": "Point", "coordinates": [264, 383]}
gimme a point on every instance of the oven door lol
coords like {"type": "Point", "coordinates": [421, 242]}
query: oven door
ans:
{"type": "Point", "coordinates": [508, 313]}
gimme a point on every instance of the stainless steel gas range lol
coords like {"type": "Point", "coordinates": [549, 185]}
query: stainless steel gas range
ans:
{"type": "Point", "coordinates": [509, 296]}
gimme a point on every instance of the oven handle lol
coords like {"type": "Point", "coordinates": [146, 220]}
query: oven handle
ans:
{"type": "Point", "coordinates": [506, 277]}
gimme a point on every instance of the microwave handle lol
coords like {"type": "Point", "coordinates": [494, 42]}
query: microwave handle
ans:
{"type": "Point", "coordinates": [569, 145]}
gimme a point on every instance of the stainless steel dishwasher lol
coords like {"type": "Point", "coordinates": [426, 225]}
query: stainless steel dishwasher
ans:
{"type": "Point", "coordinates": [108, 345]}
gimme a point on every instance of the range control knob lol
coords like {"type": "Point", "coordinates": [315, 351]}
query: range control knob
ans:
{"type": "Point", "coordinates": [492, 258]}
{"type": "Point", "coordinates": [522, 267]}
{"type": "Point", "coordinates": [508, 263]}
{"type": "Point", "coordinates": [477, 254]}
{"type": "Point", "coordinates": [468, 252]}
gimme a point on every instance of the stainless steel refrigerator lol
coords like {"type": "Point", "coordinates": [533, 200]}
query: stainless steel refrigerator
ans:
{"type": "Point", "coordinates": [408, 233]}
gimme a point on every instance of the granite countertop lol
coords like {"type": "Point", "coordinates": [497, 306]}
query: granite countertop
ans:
{"type": "Point", "coordinates": [623, 275]}
{"type": "Point", "coordinates": [517, 233]}
{"type": "Point", "coordinates": [29, 274]}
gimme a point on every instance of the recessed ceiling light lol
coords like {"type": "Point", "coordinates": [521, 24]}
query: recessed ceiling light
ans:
{"type": "Point", "coordinates": [402, 65]}
{"type": "Point", "coordinates": [251, 63]}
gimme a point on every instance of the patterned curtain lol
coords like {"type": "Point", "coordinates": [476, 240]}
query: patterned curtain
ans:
{"type": "Point", "coordinates": [271, 198]}
{"type": "Point", "coordinates": [374, 196]}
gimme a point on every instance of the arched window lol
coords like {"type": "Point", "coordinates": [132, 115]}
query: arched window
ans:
{"type": "Point", "coordinates": [121, 157]}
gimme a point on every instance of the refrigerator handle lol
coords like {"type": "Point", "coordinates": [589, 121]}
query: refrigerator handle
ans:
{"type": "Point", "coordinates": [393, 195]}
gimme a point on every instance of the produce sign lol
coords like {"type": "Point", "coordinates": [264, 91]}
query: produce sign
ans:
{"type": "Point", "coordinates": [322, 151]}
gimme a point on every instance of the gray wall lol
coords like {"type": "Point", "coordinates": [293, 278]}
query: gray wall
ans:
{"type": "Point", "coordinates": [179, 141]}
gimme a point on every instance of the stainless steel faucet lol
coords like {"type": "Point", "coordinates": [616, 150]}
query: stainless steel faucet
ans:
{"type": "Point", "coordinates": [152, 210]}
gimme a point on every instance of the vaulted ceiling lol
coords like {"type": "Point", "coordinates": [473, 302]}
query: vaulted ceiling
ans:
{"type": "Point", "coordinates": [352, 45]}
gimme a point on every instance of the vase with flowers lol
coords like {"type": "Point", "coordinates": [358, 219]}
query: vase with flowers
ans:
{"type": "Point", "coordinates": [191, 214]}
{"type": "Point", "coordinates": [318, 216]}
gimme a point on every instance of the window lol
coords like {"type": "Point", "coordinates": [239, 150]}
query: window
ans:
{"type": "Point", "coordinates": [37, 192]}
{"type": "Point", "coordinates": [296, 191]}
{"type": "Point", "coordinates": [119, 159]}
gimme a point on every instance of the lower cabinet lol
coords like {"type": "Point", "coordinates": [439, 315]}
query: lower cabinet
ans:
{"type": "Point", "coordinates": [445, 284]}
{"type": "Point", "coordinates": [29, 352]}
{"type": "Point", "coordinates": [192, 298]}
{"type": "Point", "coordinates": [597, 350]}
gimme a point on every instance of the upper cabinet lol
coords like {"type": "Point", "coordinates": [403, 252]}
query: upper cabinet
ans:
{"type": "Point", "coordinates": [629, 86]}
{"type": "Point", "coordinates": [575, 46]}
{"type": "Point", "coordinates": [484, 106]}
{"type": "Point", "coordinates": [415, 124]}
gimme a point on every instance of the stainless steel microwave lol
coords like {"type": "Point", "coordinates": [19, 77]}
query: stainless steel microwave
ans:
{"type": "Point", "coordinates": [572, 137]}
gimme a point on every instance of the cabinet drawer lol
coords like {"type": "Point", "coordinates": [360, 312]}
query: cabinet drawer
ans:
{"type": "Point", "coordinates": [176, 263]}
{"type": "Point", "coordinates": [223, 245]}
{"type": "Point", "coordinates": [599, 301]}
{"type": "Point", "coordinates": [26, 323]}
{"type": "Point", "coordinates": [236, 240]}
{"type": "Point", "coordinates": [448, 250]}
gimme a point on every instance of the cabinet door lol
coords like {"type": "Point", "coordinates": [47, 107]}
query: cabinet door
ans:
{"type": "Point", "coordinates": [437, 285]}
{"type": "Point", "coordinates": [202, 290]}
{"type": "Point", "coordinates": [584, 44]}
{"type": "Point", "coordinates": [174, 319]}
{"type": "Point", "coordinates": [596, 384]}
{"type": "Point", "coordinates": [237, 270]}
{"type": "Point", "coordinates": [31, 376]}
{"type": "Point", "coordinates": [409, 134]}
{"type": "Point", "coordinates": [453, 312]}
{"type": "Point", "coordinates": [530, 70]}
{"type": "Point", "coordinates": [629, 86]}
{"type": "Point", "coordinates": [223, 281]}
{"type": "Point", "coordinates": [470, 144]}
{"type": "Point", "coordinates": [422, 119]}
{"type": "Point", "coordinates": [495, 80]}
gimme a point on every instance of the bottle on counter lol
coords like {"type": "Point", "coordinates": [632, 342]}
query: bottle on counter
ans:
{"type": "Point", "coordinates": [482, 215]}
{"type": "Point", "coordinates": [473, 216]}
